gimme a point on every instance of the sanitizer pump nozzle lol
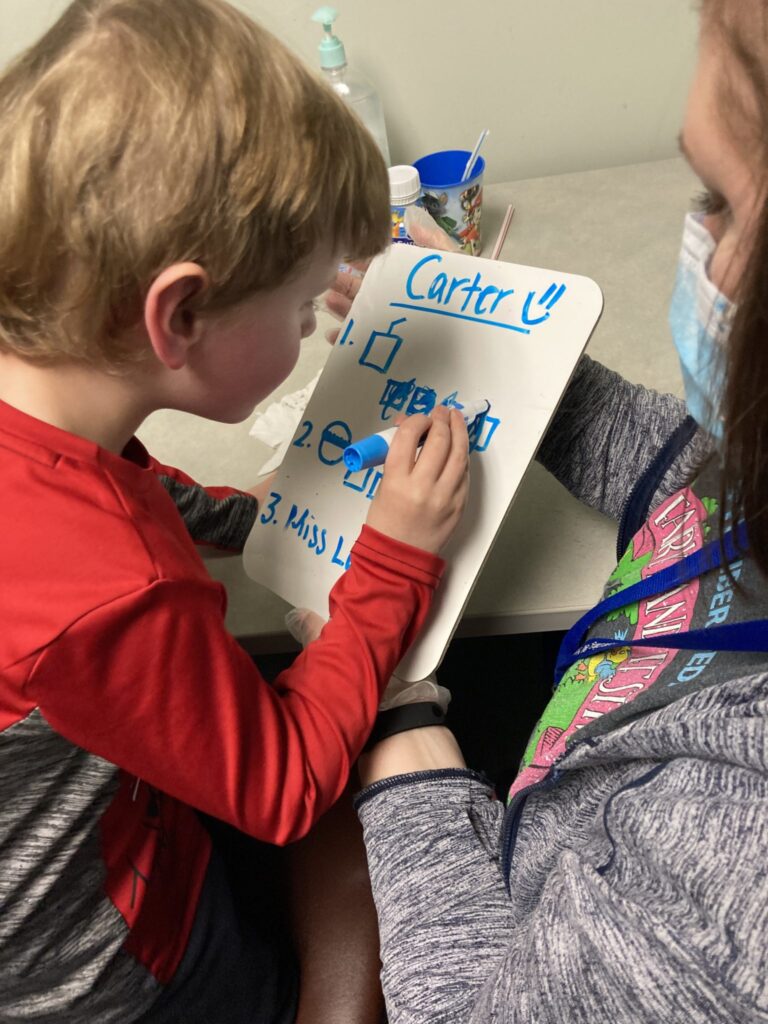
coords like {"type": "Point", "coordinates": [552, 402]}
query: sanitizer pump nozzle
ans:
{"type": "Point", "coordinates": [353, 87]}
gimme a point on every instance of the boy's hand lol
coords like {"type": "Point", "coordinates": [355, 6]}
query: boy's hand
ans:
{"type": "Point", "coordinates": [422, 495]}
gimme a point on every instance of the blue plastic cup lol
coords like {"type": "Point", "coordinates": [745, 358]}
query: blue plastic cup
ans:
{"type": "Point", "coordinates": [455, 205]}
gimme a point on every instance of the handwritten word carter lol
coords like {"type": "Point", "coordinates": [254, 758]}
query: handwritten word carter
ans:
{"type": "Point", "coordinates": [479, 301]}
{"type": "Point", "coordinates": [443, 288]}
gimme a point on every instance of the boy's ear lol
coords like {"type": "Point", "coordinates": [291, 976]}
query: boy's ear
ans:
{"type": "Point", "coordinates": [173, 327]}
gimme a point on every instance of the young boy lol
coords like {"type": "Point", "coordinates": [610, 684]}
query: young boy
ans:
{"type": "Point", "coordinates": [175, 189]}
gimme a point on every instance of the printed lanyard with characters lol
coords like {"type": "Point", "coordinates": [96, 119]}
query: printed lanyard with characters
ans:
{"type": "Point", "coordinates": [739, 636]}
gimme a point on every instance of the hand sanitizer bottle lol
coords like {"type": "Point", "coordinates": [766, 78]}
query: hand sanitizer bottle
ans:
{"type": "Point", "coordinates": [353, 87]}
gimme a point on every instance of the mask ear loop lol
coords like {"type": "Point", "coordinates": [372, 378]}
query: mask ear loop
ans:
{"type": "Point", "coordinates": [716, 373]}
{"type": "Point", "coordinates": [722, 313]}
{"type": "Point", "coordinates": [700, 246]}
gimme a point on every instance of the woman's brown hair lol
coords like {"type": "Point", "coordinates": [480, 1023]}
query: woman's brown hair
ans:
{"type": "Point", "coordinates": [743, 27]}
{"type": "Point", "coordinates": [141, 133]}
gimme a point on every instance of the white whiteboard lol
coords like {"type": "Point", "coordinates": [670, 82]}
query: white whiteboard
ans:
{"type": "Point", "coordinates": [426, 327]}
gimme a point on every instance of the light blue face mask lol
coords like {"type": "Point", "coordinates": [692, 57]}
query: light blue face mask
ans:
{"type": "Point", "coordinates": [700, 317]}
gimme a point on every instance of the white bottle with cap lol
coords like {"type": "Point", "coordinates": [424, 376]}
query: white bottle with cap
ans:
{"type": "Point", "coordinates": [354, 88]}
{"type": "Point", "coordinates": [404, 191]}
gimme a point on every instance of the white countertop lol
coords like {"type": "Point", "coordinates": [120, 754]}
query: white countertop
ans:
{"type": "Point", "coordinates": [620, 226]}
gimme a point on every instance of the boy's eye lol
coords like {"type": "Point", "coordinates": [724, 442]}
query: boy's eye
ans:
{"type": "Point", "coordinates": [709, 202]}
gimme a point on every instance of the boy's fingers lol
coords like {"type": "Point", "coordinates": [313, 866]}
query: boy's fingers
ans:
{"type": "Point", "coordinates": [436, 447]}
{"type": "Point", "coordinates": [457, 463]}
{"type": "Point", "coordinates": [451, 476]}
{"type": "Point", "coordinates": [402, 451]}
{"type": "Point", "coordinates": [444, 452]}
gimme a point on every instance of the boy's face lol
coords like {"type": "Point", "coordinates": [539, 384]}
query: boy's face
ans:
{"type": "Point", "coordinates": [249, 350]}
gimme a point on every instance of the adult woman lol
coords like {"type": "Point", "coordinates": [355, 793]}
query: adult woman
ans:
{"type": "Point", "coordinates": [624, 882]}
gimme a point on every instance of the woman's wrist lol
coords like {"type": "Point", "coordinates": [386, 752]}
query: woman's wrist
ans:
{"type": "Point", "coordinates": [416, 750]}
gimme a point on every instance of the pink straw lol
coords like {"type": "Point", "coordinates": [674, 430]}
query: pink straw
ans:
{"type": "Point", "coordinates": [503, 232]}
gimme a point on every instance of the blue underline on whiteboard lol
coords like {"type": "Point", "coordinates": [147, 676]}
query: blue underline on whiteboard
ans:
{"type": "Point", "coordinates": [461, 316]}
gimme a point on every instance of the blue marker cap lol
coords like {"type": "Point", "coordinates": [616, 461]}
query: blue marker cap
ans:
{"type": "Point", "coordinates": [371, 451]}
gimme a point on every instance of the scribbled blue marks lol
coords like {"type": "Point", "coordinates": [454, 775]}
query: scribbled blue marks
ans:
{"type": "Point", "coordinates": [422, 401]}
{"type": "Point", "coordinates": [334, 439]}
{"type": "Point", "coordinates": [620, 634]}
{"type": "Point", "coordinates": [382, 348]}
{"type": "Point", "coordinates": [481, 432]}
{"type": "Point", "coordinates": [366, 481]}
{"type": "Point", "coordinates": [410, 398]}
{"type": "Point", "coordinates": [550, 298]}
{"type": "Point", "coordinates": [396, 393]}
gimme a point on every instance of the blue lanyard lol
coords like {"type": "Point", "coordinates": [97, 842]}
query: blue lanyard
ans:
{"type": "Point", "coordinates": [740, 636]}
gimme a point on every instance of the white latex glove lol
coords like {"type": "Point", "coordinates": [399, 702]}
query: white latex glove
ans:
{"type": "Point", "coordinates": [426, 232]}
{"type": "Point", "coordinates": [399, 692]}
{"type": "Point", "coordinates": [305, 626]}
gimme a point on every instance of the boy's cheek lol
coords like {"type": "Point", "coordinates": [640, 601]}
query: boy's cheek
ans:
{"type": "Point", "coordinates": [309, 324]}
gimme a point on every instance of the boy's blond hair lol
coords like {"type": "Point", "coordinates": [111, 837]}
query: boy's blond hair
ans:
{"type": "Point", "coordinates": [141, 133]}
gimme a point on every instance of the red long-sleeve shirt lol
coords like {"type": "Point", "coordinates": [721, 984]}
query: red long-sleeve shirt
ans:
{"type": "Point", "coordinates": [125, 703]}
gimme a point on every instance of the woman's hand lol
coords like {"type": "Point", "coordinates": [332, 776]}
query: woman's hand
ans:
{"type": "Point", "coordinates": [261, 490]}
{"type": "Point", "coordinates": [305, 626]}
{"type": "Point", "coordinates": [423, 230]}
{"type": "Point", "coordinates": [343, 292]}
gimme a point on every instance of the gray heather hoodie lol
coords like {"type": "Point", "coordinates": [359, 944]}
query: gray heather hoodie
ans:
{"type": "Point", "coordinates": [626, 881]}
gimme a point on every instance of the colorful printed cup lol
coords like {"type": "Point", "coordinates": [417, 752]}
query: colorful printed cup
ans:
{"type": "Point", "coordinates": [455, 205]}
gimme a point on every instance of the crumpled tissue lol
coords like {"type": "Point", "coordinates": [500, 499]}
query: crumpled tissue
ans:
{"type": "Point", "coordinates": [277, 424]}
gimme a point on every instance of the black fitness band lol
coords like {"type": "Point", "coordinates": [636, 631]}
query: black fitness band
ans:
{"type": "Point", "coordinates": [400, 719]}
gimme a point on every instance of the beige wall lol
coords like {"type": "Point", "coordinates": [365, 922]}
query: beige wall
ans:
{"type": "Point", "coordinates": [562, 84]}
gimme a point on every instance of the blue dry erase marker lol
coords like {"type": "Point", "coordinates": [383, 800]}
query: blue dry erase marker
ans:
{"type": "Point", "coordinates": [373, 450]}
